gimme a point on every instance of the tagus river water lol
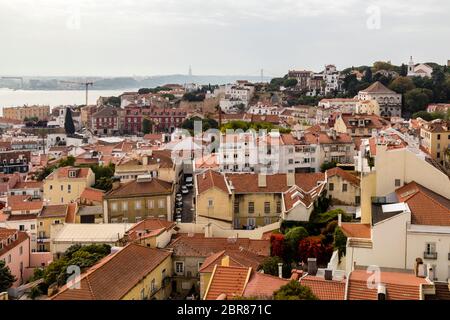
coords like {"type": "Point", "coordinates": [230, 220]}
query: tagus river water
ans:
{"type": "Point", "coordinates": [52, 98]}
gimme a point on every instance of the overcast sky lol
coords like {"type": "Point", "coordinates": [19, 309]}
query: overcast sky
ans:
{"type": "Point", "coordinates": [137, 37]}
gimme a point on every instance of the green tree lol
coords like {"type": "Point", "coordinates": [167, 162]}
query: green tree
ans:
{"type": "Point", "coordinates": [381, 65]}
{"type": "Point", "coordinates": [427, 116]}
{"type": "Point", "coordinates": [417, 100]}
{"type": "Point", "coordinates": [290, 83]}
{"type": "Point", "coordinates": [270, 265]}
{"type": "Point", "coordinates": [6, 277]}
{"type": "Point", "coordinates": [44, 172]}
{"type": "Point", "coordinates": [146, 126]}
{"type": "Point", "coordinates": [82, 256]}
{"type": "Point", "coordinates": [439, 85]}
{"type": "Point", "coordinates": [403, 70]}
{"type": "Point", "coordinates": [67, 161]}
{"type": "Point", "coordinates": [144, 91]}
{"type": "Point", "coordinates": [68, 122]}
{"type": "Point", "coordinates": [293, 236]}
{"type": "Point", "coordinates": [368, 75]}
{"type": "Point", "coordinates": [326, 217]}
{"type": "Point", "coordinates": [275, 84]}
{"type": "Point", "coordinates": [168, 96]}
{"type": "Point", "coordinates": [402, 85]}
{"type": "Point", "coordinates": [327, 165]}
{"type": "Point", "coordinates": [340, 242]}
{"type": "Point", "coordinates": [113, 101]}
{"type": "Point", "coordinates": [294, 291]}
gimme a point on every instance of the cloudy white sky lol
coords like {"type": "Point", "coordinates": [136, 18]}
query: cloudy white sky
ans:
{"type": "Point", "coordinates": [138, 37]}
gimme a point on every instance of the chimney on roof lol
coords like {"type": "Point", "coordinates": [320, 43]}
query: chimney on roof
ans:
{"type": "Point", "coordinates": [381, 290]}
{"type": "Point", "coordinates": [328, 274]}
{"type": "Point", "coordinates": [225, 262]}
{"type": "Point", "coordinates": [312, 266]}
{"type": "Point", "coordinates": [280, 270]}
{"type": "Point", "coordinates": [290, 179]}
{"type": "Point", "coordinates": [115, 183]}
{"type": "Point", "coordinates": [262, 181]}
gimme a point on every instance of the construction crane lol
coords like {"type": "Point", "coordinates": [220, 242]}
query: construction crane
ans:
{"type": "Point", "coordinates": [86, 84]}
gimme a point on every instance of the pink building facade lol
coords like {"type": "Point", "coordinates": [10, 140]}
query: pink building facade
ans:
{"type": "Point", "coordinates": [15, 252]}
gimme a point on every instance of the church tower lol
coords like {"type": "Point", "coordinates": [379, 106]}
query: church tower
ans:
{"type": "Point", "coordinates": [411, 72]}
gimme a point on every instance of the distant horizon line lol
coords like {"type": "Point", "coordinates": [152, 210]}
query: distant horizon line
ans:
{"type": "Point", "coordinates": [132, 76]}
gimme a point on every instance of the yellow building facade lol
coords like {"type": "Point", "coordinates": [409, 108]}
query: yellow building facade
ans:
{"type": "Point", "coordinates": [65, 185]}
{"type": "Point", "coordinates": [21, 113]}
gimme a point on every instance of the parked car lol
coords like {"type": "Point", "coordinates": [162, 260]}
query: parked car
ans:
{"type": "Point", "coordinates": [178, 210]}
{"type": "Point", "coordinates": [179, 197]}
{"type": "Point", "coordinates": [184, 190]}
{"type": "Point", "coordinates": [179, 204]}
{"type": "Point", "coordinates": [189, 182]}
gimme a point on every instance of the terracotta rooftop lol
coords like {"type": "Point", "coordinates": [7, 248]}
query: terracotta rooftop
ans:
{"type": "Point", "coordinates": [275, 183]}
{"type": "Point", "coordinates": [325, 289]}
{"type": "Point", "coordinates": [344, 175]}
{"type": "Point", "coordinates": [148, 227]}
{"type": "Point", "coordinates": [24, 203]}
{"type": "Point", "coordinates": [237, 258]}
{"type": "Point", "coordinates": [57, 210]}
{"type": "Point", "coordinates": [199, 246]}
{"type": "Point", "coordinates": [399, 286]}
{"type": "Point", "coordinates": [92, 194]}
{"type": "Point", "coordinates": [29, 185]}
{"type": "Point", "coordinates": [63, 172]}
{"type": "Point", "coordinates": [356, 230]}
{"type": "Point", "coordinates": [115, 275]}
{"type": "Point", "coordinates": [263, 285]}
{"type": "Point", "coordinates": [211, 179]}
{"type": "Point", "coordinates": [230, 281]}
{"type": "Point", "coordinates": [140, 188]}
{"type": "Point", "coordinates": [72, 209]}
{"type": "Point", "coordinates": [378, 87]}
{"type": "Point", "coordinates": [427, 207]}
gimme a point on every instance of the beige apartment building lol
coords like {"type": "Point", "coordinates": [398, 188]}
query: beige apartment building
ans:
{"type": "Point", "coordinates": [20, 113]}
{"type": "Point", "coordinates": [435, 139]}
{"type": "Point", "coordinates": [66, 184]}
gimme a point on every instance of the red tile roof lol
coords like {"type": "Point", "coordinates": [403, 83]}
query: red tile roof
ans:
{"type": "Point", "coordinates": [427, 207]}
{"type": "Point", "coordinates": [275, 183]}
{"type": "Point", "coordinates": [149, 226]}
{"type": "Point", "coordinates": [344, 175]}
{"type": "Point", "coordinates": [237, 258]}
{"type": "Point", "coordinates": [378, 87]}
{"type": "Point", "coordinates": [356, 230]}
{"type": "Point", "coordinates": [24, 203]}
{"type": "Point", "coordinates": [199, 246]}
{"type": "Point", "coordinates": [140, 188]}
{"type": "Point", "coordinates": [230, 281]}
{"type": "Point", "coordinates": [114, 276]}
{"type": "Point", "coordinates": [211, 179]}
{"type": "Point", "coordinates": [399, 286]}
{"type": "Point", "coordinates": [72, 209]}
{"type": "Point", "coordinates": [325, 289]}
{"type": "Point", "coordinates": [56, 210]}
{"type": "Point", "coordinates": [263, 285]}
{"type": "Point", "coordinates": [29, 185]}
{"type": "Point", "coordinates": [92, 194]}
{"type": "Point", "coordinates": [63, 172]}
